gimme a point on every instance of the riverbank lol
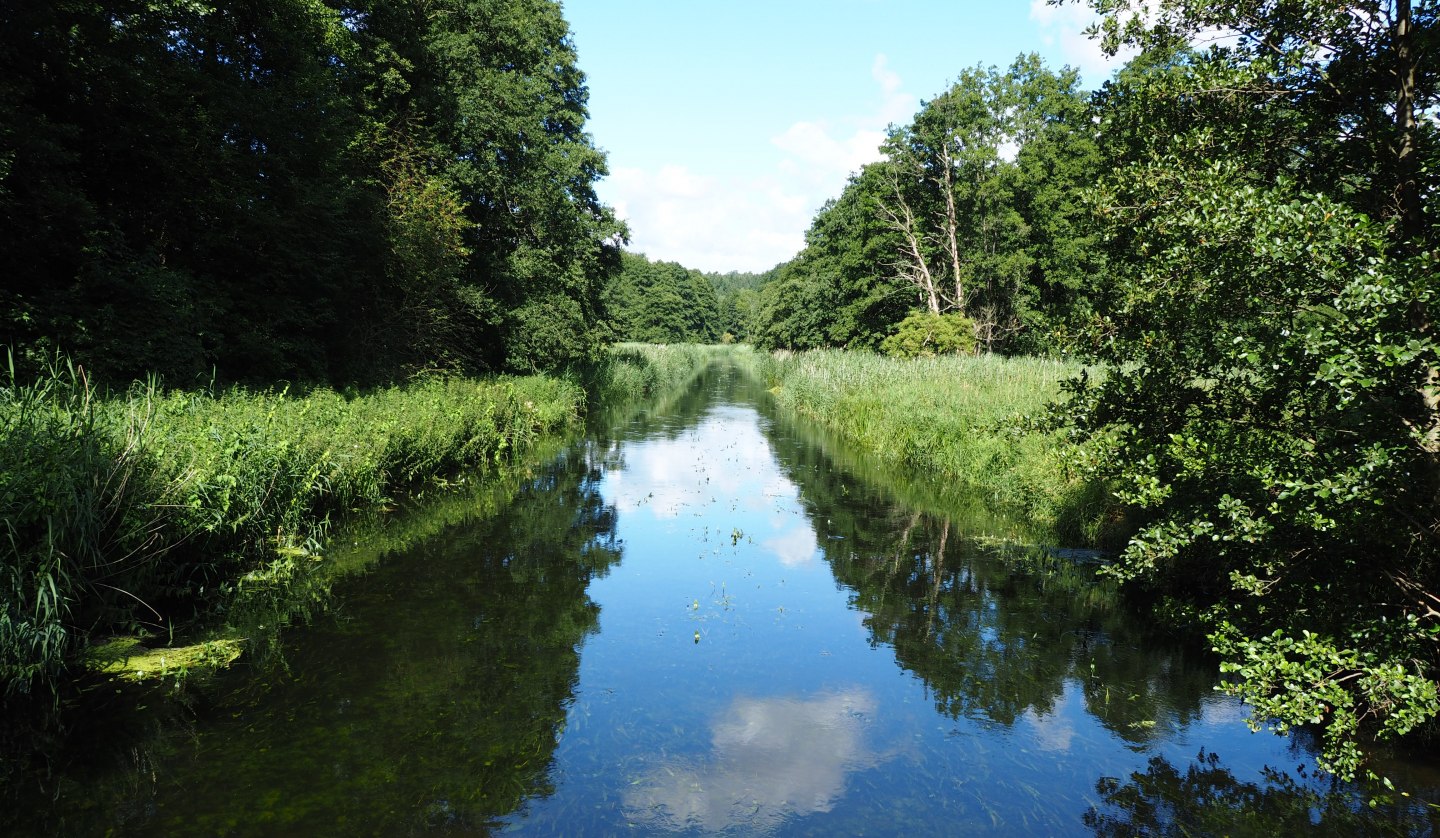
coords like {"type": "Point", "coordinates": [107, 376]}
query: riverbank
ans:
{"type": "Point", "coordinates": [970, 420]}
{"type": "Point", "coordinates": [157, 533]}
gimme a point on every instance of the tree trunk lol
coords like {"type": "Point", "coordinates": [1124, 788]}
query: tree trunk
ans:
{"type": "Point", "coordinates": [1408, 199]}
{"type": "Point", "coordinates": [917, 269]}
{"type": "Point", "coordinates": [952, 225]}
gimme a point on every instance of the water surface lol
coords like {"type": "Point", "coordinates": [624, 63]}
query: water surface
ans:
{"type": "Point", "coordinates": [706, 619]}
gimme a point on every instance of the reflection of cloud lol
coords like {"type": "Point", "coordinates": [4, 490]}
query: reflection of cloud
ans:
{"type": "Point", "coordinates": [724, 455]}
{"type": "Point", "coordinates": [1052, 731]}
{"type": "Point", "coordinates": [795, 547]}
{"type": "Point", "coordinates": [773, 758]}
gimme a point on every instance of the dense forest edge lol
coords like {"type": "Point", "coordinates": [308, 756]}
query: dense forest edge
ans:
{"type": "Point", "coordinates": [288, 216]}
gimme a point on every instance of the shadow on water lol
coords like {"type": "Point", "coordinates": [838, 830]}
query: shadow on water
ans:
{"type": "Point", "coordinates": [870, 654]}
{"type": "Point", "coordinates": [430, 698]}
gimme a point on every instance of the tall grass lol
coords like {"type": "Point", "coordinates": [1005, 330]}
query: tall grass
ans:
{"type": "Point", "coordinates": [634, 371]}
{"type": "Point", "coordinates": [959, 417]}
{"type": "Point", "coordinates": [155, 511]}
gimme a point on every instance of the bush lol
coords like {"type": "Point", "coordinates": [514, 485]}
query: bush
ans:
{"type": "Point", "coordinates": [925, 335]}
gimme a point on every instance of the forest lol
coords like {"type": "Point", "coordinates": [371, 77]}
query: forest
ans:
{"type": "Point", "coordinates": [1233, 239]}
{"type": "Point", "coordinates": [326, 193]}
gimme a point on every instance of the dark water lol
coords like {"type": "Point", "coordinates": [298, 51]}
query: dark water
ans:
{"type": "Point", "coordinates": [707, 620]}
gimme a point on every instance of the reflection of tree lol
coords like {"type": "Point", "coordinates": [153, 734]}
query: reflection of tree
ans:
{"type": "Point", "coordinates": [434, 699]}
{"type": "Point", "coordinates": [663, 417]}
{"type": "Point", "coordinates": [993, 633]}
{"type": "Point", "coordinates": [1208, 800]}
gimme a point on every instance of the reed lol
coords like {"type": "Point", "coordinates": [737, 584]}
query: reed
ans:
{"type": "Point", "coordinates": [153, 513]}
{"type": "Point", "coordinates": [634, 371]}
{"type": "Point", "coordinates": [968, 419]}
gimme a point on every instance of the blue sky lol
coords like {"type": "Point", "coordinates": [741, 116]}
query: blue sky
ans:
{"type": "Point", "coordinates": [728, 124]}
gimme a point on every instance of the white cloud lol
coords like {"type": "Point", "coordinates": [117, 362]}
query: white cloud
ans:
{"type": "Point", "coordinates": [1064, 27]}
{"type": "Point", "coordinates": [756, 221]}
{"type": "Point", "coordinates": [707, 222]}
{"type": "Point", "coordinates": [823, 155]}
{"type": "Point", "coordinates": [794, 548]}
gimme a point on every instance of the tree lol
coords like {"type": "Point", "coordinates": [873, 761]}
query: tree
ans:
{"type": "Point", "coordinates": [840, 290]}
{"type": "Point", "coordinates": [662, 302]}
{"type": "Point", "coordinates": [290, 189]}
{"type": "Point", "coordinates": [949, 198]}
{"type": "Point", "coordinates": [1270, 399]}
{"type": "Point", "coordinates": [975, 210]}
{"type": "Point", "coordinates": [981, 191]}
{"type": "Point", "coordinates": [494, 88]}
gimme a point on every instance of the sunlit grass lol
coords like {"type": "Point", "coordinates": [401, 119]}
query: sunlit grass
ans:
{"type": "Point", "coordinates": [637, 370]}
{"type": "Point", "coordinates": [154, 512]}
{"type": "Point", "coordinates": [964, 418]}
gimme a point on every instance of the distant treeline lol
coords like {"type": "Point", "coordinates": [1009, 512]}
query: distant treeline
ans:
{"type": "Point", "coordinates": [315, 191]}
{"type": "Point", "coordinates": [665, 302]}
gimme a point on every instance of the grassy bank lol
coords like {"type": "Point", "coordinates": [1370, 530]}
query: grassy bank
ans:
{"type": "Point", "coordinates": [179, 518]}
{"type": "Point", "coordinates": [959, 418]}
{"type": "Point", "coordinates": [634, 371]}
{"type": "Point", "coordinates": [152, 513]}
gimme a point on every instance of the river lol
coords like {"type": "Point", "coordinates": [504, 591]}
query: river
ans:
{"type": "Point", "coordinates": [704, 618]}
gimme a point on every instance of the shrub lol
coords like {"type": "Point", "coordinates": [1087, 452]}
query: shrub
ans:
{"type": "Point", "coordinates": [925, 335]}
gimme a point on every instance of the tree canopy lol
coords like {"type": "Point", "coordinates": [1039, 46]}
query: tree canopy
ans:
{"type": "Point", "coordinates": [296, 189]}
{"type": "Point", "coordinates": [975, 209]}
{"type": "Point", "coordinates": [1271, 406]}
{"type": "Point", "coordinates": [662, 302]}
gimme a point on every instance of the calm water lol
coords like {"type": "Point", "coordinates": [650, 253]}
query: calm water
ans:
{"type": "Point", "coordinates": [706, 620]}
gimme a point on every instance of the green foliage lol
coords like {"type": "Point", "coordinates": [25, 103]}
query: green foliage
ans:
{"type": "Point", "coordinates": [840, 290]}
{"type": "Point", "coordinates": [925, 335]}
{"type": "Point", "coordinates": [738, 295]}
{"type": "Point", "coordinates": [1271, 408]}
{"type": "Point", "coordinates": [81, 517]}
{"type": "Point", "coordinates": [662, 302]}
{"type": "Point", "coordinates": [290, 190]}
{"type": "Point", "coordinates": [975, 210]}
